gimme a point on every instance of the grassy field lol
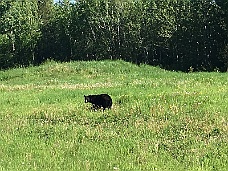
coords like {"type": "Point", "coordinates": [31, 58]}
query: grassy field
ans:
{"type": "Point", "coordinates": [160, 120]}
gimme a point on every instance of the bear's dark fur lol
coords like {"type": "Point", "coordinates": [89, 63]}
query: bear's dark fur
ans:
{"type": "Point", "coordinates": [98, 101]}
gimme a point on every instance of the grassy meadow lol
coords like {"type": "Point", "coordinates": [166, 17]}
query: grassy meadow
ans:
{"type": "Point", "coordinates": [160, 120]}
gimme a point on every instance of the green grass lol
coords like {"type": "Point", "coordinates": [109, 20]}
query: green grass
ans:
{"type": "Point", "coordinates": [160, 120]}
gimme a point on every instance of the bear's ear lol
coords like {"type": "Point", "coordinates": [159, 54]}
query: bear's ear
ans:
{"type": "Point", "coordinates": [86, 99]}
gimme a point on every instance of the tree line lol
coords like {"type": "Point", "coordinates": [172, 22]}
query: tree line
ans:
{"type": "Point", "coordinates": [183, 35]}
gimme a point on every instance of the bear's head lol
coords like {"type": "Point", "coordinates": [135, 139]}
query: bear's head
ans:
{"type": "Point", "coordinates": [87, 98]}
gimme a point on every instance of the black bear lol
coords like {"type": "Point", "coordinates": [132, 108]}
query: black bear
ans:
{"type": "Point", "coordinates": [98, 101]}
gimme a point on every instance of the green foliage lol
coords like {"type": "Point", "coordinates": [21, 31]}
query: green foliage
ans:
{"type": "Point", "coordinates": [55, 40]}
{"type": "Point", "coordinates": [160, 120]}
{"type": "Point", "coordinates": [224, 49]}
{"type": "Point", "coordinates": [176, 35]}
{"type": "Point", "coordinates": [45, 10]}
{"type": "Point", "coordinates": [19, 33]}
{"type": "Point", "coordinates": [154, 32]}
{"type": "Point", "coordinates": [203, 33]}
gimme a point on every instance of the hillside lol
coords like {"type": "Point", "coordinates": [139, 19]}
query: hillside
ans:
{"type": "Point", "coordinates": [160, 120]}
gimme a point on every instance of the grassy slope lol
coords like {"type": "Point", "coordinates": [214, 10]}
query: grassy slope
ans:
{"type": "Point", "coordinates": [160, 120]}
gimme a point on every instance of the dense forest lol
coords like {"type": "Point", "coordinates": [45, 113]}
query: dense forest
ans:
{"type": "Point", "coordinates": [185, 35]}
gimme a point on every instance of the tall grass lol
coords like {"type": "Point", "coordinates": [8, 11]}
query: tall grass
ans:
{"type": "Point", "coordinates": [160, 120]}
